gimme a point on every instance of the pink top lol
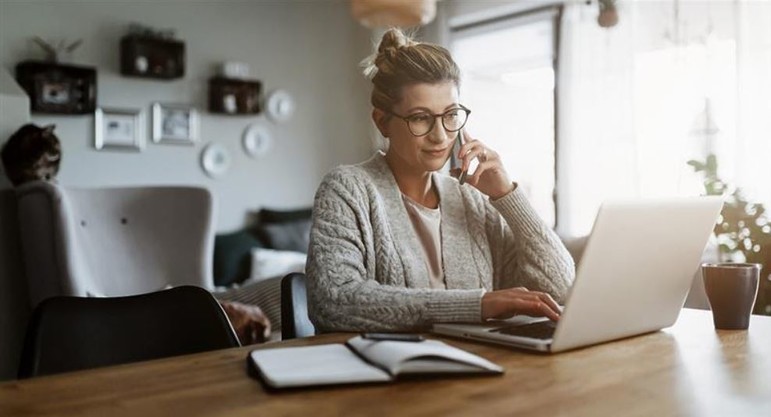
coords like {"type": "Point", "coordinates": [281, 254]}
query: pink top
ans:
{"type": "Point", "coordinates": [426, 223]}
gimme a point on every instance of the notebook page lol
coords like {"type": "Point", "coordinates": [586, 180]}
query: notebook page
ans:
{"type": "Point", "coordinates": [431, 356]}
{"type": "Point", "coordinates": [314, 365]}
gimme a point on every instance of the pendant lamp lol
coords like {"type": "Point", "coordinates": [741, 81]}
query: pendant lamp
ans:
{"type": "Point", "coordinates": [388, 13]}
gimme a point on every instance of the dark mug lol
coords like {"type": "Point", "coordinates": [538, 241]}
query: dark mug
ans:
{"type": "Point", "coordinates": [731, 290]}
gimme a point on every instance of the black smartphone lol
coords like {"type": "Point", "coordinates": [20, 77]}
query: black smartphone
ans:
{"type": "Point", "coordinates": [456, 161]}
{"type": "Point", "coordinates": [397, 337]}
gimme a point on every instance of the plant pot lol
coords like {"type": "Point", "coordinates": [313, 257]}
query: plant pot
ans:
{"type": "Point", "coordinates": [608, 18]}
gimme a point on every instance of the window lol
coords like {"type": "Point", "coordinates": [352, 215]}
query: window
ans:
{"type": "Point", "coordinates": [661, 88]}
{"type": "Point", "coordinates": [508, 81]}
{"type": "Point", "coordinates": [671, 82]}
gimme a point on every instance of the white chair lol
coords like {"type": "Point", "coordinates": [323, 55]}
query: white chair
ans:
{"type": "Point", "coordinates": [114, 241]}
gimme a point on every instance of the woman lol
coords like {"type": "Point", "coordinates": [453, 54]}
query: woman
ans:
{"type": "Point", "coordinates": [396, 245]}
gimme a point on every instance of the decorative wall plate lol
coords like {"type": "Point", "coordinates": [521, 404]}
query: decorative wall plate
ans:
{"type": "Point", "coordinates": [257, 140]}
{"type": "Point", "coordinates": [215, 160]}
{"type": "Point", "coordinates": [280, 106]}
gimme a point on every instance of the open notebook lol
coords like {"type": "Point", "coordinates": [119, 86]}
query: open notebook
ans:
{"type": "Point", "coordinates": [362, 361]}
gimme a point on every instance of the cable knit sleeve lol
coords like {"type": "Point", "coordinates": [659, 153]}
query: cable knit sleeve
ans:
{"type": "Point", "coordinates": [528, 253]}
{"type": "Point", "coordinates": [355, 277]}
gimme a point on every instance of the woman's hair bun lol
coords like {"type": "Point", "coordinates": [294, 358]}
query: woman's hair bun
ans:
{"type": "Point", "coordinates": [390, 43]}
{"type": "Point", "coordinates": [392, 40]}
{"type": "Point", "coordinates": [400, 61]}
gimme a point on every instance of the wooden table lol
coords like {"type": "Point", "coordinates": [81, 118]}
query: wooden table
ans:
{"type": "Point", "coordinates": [687, 370]}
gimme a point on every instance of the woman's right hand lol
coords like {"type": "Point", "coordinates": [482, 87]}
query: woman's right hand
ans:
{"type": "Point", "coordinates": [502, 304]}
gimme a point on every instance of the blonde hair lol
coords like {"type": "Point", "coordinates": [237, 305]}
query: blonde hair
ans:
{"type": "Point", "coordinates": [401, 61]}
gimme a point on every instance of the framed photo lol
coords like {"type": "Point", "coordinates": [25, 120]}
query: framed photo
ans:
{"type": "Point", "coordinates": [118, 129]}
{"type": "Point", "coordinates": [174, 123]}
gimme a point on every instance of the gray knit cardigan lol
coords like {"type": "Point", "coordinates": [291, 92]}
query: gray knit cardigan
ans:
{"type": "Point", "coordinates": [366, 270]}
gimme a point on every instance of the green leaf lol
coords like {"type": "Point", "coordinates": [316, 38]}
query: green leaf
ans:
{"type": "Point", "coordinates": [697, 166]}
{"type": "Point", "coordinates": [712, 164]}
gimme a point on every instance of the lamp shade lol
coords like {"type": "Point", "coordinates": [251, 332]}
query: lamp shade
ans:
{"type": "Point", "coordinates": [388, 13]}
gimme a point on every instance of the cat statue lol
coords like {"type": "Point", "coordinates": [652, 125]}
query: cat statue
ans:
{"type": "Point", "coordinates": [32, 153]}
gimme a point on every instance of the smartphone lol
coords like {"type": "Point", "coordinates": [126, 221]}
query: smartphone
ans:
{"type": "Point", "coordinates": [397, 337]}
{"type": "Point", "coordinates": [456, 162]}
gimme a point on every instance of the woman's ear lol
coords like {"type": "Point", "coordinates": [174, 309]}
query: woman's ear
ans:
{"type": "Point", "coordinates": [381, 121]}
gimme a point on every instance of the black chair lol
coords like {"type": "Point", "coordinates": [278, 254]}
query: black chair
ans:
{"type": "Point", "coordinates": [294, 308]}
{"type": "Point", "coordinates": [73, 333]}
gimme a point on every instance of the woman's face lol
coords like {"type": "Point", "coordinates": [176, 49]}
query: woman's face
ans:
{"type": "Point", "coordinates": [419, 154]}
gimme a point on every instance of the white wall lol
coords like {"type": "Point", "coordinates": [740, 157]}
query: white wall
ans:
{"type": "Point", "coordinates": [309, 48]}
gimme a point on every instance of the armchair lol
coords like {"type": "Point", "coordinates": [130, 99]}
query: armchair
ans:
{"type": "Point", "coordinates": [114, 241]}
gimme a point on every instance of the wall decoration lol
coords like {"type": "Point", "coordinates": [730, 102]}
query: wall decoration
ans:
{"type": "Point", "coordinates": [280, 106]}
{"type": "Point", "coordinates": [58, 89]}
{"type": "Point", "coordinates": [57, 52]}
{"type": "Point", "coordinates": [234, 96]}
{"type": "Point", "coordinates": [234, 70]}
{"type": "Point", "coordinates": [146, 52]}
{"type": "Point", "coordinates": [174, 123]}
{"type": "Point", "coordinates": [257, 140]}
{"type": "Point", "coordinates": [120, 129]}
{"type": "Point", "coordinates": [215, 160]}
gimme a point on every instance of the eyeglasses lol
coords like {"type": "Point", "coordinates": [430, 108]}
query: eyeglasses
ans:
{"type": "Point", "coordinates": [420, 124]}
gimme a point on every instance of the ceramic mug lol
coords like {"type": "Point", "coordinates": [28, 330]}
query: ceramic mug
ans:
{"type": "Point", "coordinates": [731, 290]}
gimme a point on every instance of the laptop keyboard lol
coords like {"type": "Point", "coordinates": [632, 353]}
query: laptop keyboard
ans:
{"type": "Point", "coordinates": [539, 330]}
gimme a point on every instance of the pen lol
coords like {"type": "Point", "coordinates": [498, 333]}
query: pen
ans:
{"type": "Point", "coordinates": [396, 337]}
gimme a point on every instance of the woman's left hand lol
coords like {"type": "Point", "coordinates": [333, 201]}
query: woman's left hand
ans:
{"type": "Point", "coordinates": [490, 177]}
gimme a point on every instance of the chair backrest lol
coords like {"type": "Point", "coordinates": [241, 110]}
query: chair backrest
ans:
{"type": "Point", "coordinates": [73, 333]}
{"type": "Point", "coordinates": [114, 241]}
{"type": "Point", "coordinates": [294, 308]}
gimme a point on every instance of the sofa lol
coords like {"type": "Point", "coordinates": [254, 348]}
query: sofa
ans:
{"type": "Point", "coordinates": [248, 264]}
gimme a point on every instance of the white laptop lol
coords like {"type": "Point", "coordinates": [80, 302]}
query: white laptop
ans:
{"type": "Point", "coordinates": [633, 278]}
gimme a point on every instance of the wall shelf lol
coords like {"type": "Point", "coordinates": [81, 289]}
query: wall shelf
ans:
{"type": "Point", "coordinates": [148, 57]}
{"type": "Point", "coordinates": [234, 96]}
{"type": "Point", "coordinates": [58, 89]}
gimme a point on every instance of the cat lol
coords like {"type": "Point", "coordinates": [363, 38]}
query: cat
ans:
{"type": "Point", "coordinates": [32, 153]}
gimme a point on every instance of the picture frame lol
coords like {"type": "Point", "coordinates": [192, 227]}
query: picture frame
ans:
{"type": "Point", "coordinates": [175, 123]}
{"type": "Point", "coordinates": [119, 129]}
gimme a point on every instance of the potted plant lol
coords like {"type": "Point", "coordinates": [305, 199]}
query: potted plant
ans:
{"type": "Point", "coordinates": [608, 16]}
{"type": "Point", "coordinates": [743, 230]}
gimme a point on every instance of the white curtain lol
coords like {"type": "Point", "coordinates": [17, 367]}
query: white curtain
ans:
{"type": "Point", "coordinates": [673, 81]}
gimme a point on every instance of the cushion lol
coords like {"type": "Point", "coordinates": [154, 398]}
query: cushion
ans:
{"type": "Point", "coordinates": [270, 263]}
{"type": "Point", "coordinates": [232, 257]}
{"type": "Point", "coordinates": [265, 294]}
{"type": "Point", "coordinates": [281, 216]}
{"type": "Point", "coordinates": [288, 235]}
